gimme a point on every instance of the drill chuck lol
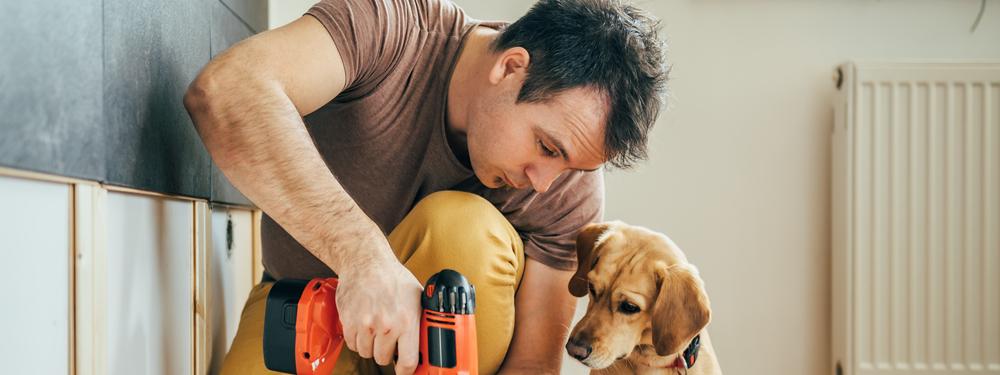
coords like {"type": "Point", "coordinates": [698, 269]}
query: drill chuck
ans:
{"type": "Point", "coordinates": [449, 292]}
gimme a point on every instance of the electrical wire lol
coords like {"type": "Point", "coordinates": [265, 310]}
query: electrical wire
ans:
{"type": "Point", "coordinates": [979, 17]}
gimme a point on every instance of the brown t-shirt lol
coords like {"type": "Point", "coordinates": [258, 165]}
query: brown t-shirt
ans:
{"type": "Point", "coordinates": [384, 137]}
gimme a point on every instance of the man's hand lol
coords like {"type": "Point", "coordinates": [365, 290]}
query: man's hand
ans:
{"type": "Point", "coordinates": [379, 307]}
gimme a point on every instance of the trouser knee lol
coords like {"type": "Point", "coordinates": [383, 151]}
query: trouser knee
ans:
{"type": "Point", "coordinates": [468, 233]}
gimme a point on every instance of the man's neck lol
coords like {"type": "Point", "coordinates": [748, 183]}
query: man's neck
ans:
{"type": "Point", "coordinates": [472, 66]}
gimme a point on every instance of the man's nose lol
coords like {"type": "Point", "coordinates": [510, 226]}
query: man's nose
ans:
{"type": "Point", "coordinates": [542, 175]}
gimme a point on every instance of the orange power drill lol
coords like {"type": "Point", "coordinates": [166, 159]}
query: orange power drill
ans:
{"type": "Point", "coordinates": [303, 335]}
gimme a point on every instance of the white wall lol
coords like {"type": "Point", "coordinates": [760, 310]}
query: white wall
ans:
{"type": "Point", "coordinates": [739, 169]}
{"type": "Point", "coordinates": [739, 173]}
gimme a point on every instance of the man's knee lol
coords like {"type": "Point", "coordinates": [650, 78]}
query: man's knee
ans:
{"type": "Point", "coordinates": [467, 229]}
{"type": "Point", "coordinates": [461, 215]}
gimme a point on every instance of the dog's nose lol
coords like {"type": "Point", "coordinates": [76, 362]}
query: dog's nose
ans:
{"type": "Point", "coordinates": [578, 349]}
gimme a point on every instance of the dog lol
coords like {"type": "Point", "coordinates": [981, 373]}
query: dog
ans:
{"type": "Point", "coordinates": [648, 309]}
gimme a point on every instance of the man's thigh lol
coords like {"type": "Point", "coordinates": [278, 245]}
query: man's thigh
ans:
{"type": "Point", "coordinates": [246, 355]}
{"type": "Point", "coordinates": [453, 230]}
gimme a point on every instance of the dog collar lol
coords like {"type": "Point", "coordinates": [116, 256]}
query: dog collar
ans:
{"type": "Point", "coordinates": [687, 358]}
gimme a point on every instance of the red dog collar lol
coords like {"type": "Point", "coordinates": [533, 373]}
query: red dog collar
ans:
{"type": "Point", "coordinates": [687, 358]}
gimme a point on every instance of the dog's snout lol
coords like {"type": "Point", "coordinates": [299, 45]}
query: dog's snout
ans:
{"type": "Point", "coordinates": [579, 349]}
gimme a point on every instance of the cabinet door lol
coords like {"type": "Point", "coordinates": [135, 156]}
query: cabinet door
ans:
{"type": "Point", "coordinates": [35, 247]}
{"type": "Point", "coordinates": [150, 272]}
{"type": "Point", "coordinates": [230, 276]}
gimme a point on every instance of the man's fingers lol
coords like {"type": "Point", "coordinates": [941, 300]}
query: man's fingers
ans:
{"type": "Point", "coordinates": [409, 350]}
{"type": "Point", "coordinates": [366, 339]}
{"type": "Point", "coordinates": [385, 345]}
{"type": "Point", "coordinates": [350, 337]}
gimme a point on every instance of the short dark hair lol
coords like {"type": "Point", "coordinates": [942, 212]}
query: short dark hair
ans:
{"type": "Point", "coordinates": [605, 44]}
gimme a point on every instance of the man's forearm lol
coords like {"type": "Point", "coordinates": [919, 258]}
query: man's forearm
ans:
{"type": "Point", "coordinates": [259, 141]}
{"type": "Point", "coordinates": [544, 310]}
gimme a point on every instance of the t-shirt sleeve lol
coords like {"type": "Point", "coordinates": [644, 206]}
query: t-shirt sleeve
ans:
{"type": "Point", "coordinates": [549, 232]}
{"type": "Point", "coordinates": [370, 35]}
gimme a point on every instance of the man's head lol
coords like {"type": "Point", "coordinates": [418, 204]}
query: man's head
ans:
{"type": "Point", "coordinates": [573, 84]}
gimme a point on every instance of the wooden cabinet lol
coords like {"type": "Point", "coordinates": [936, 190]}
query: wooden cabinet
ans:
{"type": "Point", "coordinates": [107, 280]}
{"type": "Point", "coordinates": [150, 275]}
{"type": "Point", "coordinates": [230, 276]}
{"type": "Point", "coordinates": [35, 245]}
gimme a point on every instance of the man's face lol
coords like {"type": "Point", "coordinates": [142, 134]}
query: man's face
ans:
{"type": "Point", "coordinates": [522, 145]}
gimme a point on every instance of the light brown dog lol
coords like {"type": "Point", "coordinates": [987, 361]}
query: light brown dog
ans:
{"type": "Point", "coordinates": [647, 303]}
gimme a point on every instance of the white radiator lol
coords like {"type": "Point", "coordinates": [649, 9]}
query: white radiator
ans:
{"type": "Point", "coordinates": [916, 219]}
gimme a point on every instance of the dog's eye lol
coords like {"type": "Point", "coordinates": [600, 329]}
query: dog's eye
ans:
{"type": "Point", "coordinates": [628, 308]}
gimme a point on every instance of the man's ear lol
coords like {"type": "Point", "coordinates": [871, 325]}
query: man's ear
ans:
{"type": "Point", "coordinates": [585, 241]}
{"type": "Point", "coordinates": [681, 309]}
{"type": "Point", "coordinates": [512, 61]}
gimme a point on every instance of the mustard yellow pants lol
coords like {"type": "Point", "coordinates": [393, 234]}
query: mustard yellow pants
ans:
{"type": "Point", "coordinates": [447, 229]}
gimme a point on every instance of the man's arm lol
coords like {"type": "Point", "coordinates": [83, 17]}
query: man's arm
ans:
{"type": "Point", "coordinates": [247, 105]}
{"type": "Point", "coordinates": [544, 309]}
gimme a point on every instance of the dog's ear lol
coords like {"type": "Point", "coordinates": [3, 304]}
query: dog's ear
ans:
{"type": "Point", "coordinates": [585, 241]}
{"type": "Point", "coordinates": [681, 309]}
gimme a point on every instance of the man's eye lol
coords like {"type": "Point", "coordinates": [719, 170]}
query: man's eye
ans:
{"type": "Point", "coordinates": [628, 308]}
{"type": "Point", "coordinates": [546, 150]}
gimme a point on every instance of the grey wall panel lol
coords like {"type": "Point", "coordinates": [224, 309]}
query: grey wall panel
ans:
{"type": "Point", "coordinates": [227, 29]}
{"type": "Point", "coordinates": [251, 12]}
{"type": "Point", "coordinates": [225, 192]}
{"type": "Point", "coordinates": [153, 49]}
{"type": "Point", "coordinates": [50, 87]}
{"type": "Point", "coordinates": [94, 89]}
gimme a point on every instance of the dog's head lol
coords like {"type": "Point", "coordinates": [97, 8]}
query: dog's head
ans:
{"type": "Point", "coordinates": [644, 295]}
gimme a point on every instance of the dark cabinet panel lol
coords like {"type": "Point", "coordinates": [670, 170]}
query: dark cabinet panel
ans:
{"type": "Point", "coordinates": [227, 29]}
{"type": "Point", "coordinates": [94, 89]}
{"type": "Point", "coordinates": [251, 12]}
{"type": "Point", "coordinates": [50, 87]}
{"type": "Point", "coordinates": [152, 50]}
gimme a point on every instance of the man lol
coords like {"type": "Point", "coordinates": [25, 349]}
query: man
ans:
{"type": "Point", "coordinates": [341, 125]}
